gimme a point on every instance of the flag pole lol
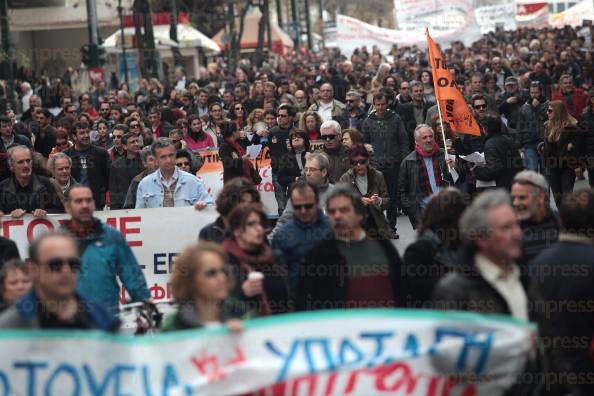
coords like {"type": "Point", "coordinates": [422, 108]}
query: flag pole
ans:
{"type": "Point", "coordinates": [435, 88]}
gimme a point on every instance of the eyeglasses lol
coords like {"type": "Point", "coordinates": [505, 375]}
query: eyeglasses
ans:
{"type": "Point", "coordinates": [307, 206]}
{"type": "Point", "coordinates": [310, 169]}
{"type": "Point", "coordinates": [239, 108]}
{"type": "Point", "coordinates": [329, 136]}
{"type": "Point", "coordinates": [57, 263]}
{"type": "Point", "coordinates": [480, 107]}
{"type": "Point", "coordinates": [358, 162]}
{"type": "Point", "coordinates": [134, 125]}
{"type": "Point", "coordinates": [213, 272]}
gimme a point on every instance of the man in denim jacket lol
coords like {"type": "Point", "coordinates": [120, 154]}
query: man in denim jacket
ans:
{"type": "Point", "coordinates": [169, 186]}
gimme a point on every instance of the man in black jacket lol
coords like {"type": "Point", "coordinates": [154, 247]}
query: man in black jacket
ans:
{"type": "Point", "coordinates": [124, 170]}
{"type": "Point", "coordinates": [278, 145]}
{"type": "Point", "coordinates": [565, 274]}
{"type": "Point", "coordinates": [353, 115]}
{"type": "Point", "coordinates": [384, 130]}
{"type": "Point", "coordinates": [531, 201]}
{"type": "Point", "coordinates": [532, 117]}
{"type": "Point", "coordinates": [25, 192]}
{"type": "Point", "coordinates": [8, 138]}
{"type": "Point", "coordinates": [349, 269]}
{"type": "Point", "coordinates": [90, 163]}
{"type": "Point", "coordinates": [510, 101]}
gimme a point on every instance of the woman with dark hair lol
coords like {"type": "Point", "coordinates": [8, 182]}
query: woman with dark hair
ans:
{"type": "Point", "coordinates": [201, 285]}
{"type": "Point", "coordinates": [291, 164]}
{"type": "Point", "coordinates": [370, 183]}
{"type": "Point", "coordinates": [426, 78]}
{"type": "Point", "coordinates": [236, 162]}
{"type": "Point", "coordinates": [260, 273]}
{"type": "Point", "coordinates": [197, 139]}
{"type": "Point", "coordinates": [561, 149]}
{"type": "Point", "coordinates": [236, 191]}
{"type": "Point", "coordinates": [239, 116]}
{"type": "Point", "coordinates": [183, 126]}
{"type": "Point", "coordinates": [434, 253]}
{"type": "Point", "coordinates": [100, 136]}
{"type": "Point", "coordinates": [350, 137]}
{"type": "Point", "coordinates": [310, 122]}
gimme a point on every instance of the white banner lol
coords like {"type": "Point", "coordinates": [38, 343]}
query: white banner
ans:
{"type": "Point", "coordinates": [489, 16]}
{"type": "Point", "coordinates": [573, 16]}
{"type": "Point", "coordinates": [451, 24]}
{"type": "Point", "coordinates": [357, 352]}
{"type": "Point", "coordinates": [156, 236]}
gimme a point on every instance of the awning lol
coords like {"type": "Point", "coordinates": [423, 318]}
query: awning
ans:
{"type": "Point", "coordinates": [187, 36]}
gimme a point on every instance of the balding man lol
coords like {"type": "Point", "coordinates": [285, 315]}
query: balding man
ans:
{"type": "Point", "coordinates": [23, 192]}
{"type": "Point", "coordinates": [327, 107]}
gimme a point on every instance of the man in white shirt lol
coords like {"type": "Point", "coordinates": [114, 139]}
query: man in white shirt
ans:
{"type": "Point", "coordinates": [488, 279]}
{"type": "Point", "coordinates": [327, 107]}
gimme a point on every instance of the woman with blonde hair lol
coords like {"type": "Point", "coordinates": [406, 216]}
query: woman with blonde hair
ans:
{"type": "Point", "coordinates": [201, 284]}
{"type": "Point", "coordinates": [560, 149]}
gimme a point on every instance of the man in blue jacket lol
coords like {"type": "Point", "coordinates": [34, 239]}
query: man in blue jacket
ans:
{"type": "Point", "coordinates": [53, 303]}
{"type": "Point", "coordinates": [105, 254]}
{"type": "Point", "coordinates": [296, 238]}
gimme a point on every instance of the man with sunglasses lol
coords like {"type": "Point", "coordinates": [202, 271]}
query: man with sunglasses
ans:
{"type": "Point", "coordinates": [279, 146]}
{"type": "Point", "coordinates": [297, 237]}
{"type": "Point", "coordinates": [53, 302]}
{"type": "Point", "coordinates": [353, 115]}
{"type": "Point", "coordinates": [105, 254]}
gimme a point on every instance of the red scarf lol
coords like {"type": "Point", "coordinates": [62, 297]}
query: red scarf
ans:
{"type": "Point", "coordinates": [240, 151]}
{"type": "Point", "coordinates": [425, 182]}
{"type": "Point", "coordinates": [250, 263]}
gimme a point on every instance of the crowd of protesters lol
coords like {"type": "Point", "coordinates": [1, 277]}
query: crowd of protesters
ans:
{"type": "Point", "coordinates": [355, 143]}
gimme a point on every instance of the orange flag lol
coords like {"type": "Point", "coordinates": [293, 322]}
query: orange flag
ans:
{"type": "Point", "coordinates": [454, 109]}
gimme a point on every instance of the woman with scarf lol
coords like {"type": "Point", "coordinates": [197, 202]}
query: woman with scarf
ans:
{"type": "Point", "coordinates": [201, 285]}
{"type": "Point", "coordinates": [370, 183]}
{"type": "Point", "coordinates": [260, 274]}
{"type": "Point", "coordinates": [196, 138]}
{"type": "Point", "coordinates": [236, 163]}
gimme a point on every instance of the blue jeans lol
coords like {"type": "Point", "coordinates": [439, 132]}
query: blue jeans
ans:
{"type": "Point", "coordinates": [533, 159]}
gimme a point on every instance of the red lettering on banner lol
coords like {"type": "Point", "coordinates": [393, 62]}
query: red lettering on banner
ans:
{"type": "Point", "coordinates": [126, 231]}
{"type": "Point", "coordinates": [112, 222]}
{"type": "Point", "coordinates": [311, 382]}
{"type": "Point", "coordinates": [208, 364]}
{"type": "Point", "coordinates": [36, 222]}
{"type": "Point", "coordinates": [10, 223]}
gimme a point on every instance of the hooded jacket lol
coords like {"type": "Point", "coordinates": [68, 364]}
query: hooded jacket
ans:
{"type": "Point", "coordinates": [388, 138]}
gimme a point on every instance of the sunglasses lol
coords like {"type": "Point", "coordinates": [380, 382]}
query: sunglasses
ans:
{"type": "Point", "coordinates": [350, 101]}
{"type": "Point", "coordinates": [239, 108]}
{"type": "Point", "coordinates": [134, 125]}
{"type": "Point", "coordinates": [57, 263]}
{"type": "Point", "coordinates": [481, 107]}
{"type": "Point", "coordinates": [358, 162]}
{"type": "Point", "coordinates": [186, 163]}
{"type": "Point", "coordinates": [213, 272]}
{"type": "Point", "coordinates": [117, 136]}
{"type": "Point", "coordinates": [329, 137]}
{"type": "Point", "coordinates": [308, 206]}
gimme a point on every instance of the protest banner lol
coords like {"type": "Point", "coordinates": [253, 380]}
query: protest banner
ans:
{"type": "Point", "coordinates": [532, 13]}
{"type": "Point", "coordinates": [452, 106]}
{"type": "Point", "coordinates": [488, 17]}
{"type": "Point", "coordinates": [156, 236]}
{"type": "Point", "coordinates": [573, 16]}
{"type": "Point", "coordinates": [355, 352]}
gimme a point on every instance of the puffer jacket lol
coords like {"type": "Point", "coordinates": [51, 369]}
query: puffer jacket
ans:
{"type": "Point", "coordinates": [106, 257]}
{"type": "Point", "coordinates": [388, 138]}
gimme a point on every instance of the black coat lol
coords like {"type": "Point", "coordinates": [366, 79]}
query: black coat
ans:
{"type": "Point", "coordinates": [45, 140]}
{"type": "Point", "coordinates": [502, 159]}
{"type": "Point", "coordinates": [214, 232]}
{"type": "Point", "coordinates": [587, 125]}
{"type": "Point", "coordinates": [511, 111]}
{"type": "Point", "coordinates": [121, 174]}
{"type": "Point", "coordinates": [232, 164]}
{"type": "Point", "coordinates": [288, 169]}
{"type": "Point", "coordinates": [8, 250]}
{"type": "Point", "coordinates": [40, 194]}
{"type": "Point", "coordinates": [328, 289]}
{"type": "Point", "coordinates": [98, 170]}
{"type": "Point", "coordinates": [565, 273]}
{"type": "Point", "coordinates": [558, 155]}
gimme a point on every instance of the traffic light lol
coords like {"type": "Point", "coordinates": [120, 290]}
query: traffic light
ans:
{"type": "Point", "coordinates": [101, 55]}
{"type": "Point", "coordinates": [85, 52]}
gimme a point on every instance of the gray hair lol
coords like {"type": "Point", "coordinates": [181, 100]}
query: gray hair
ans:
{"type": "Point", "coordinates": [51, 163]}
{"type": "Point", "coordinates": [415, 83]}
{"type": "Point", "coordinates": [354, 93]}
{"type": "Point", "coordinates": [160, 143]}
{"type": "Point", "coordinates": [474, 221]}
{"type": "Point", "coordinates": [534, 179]}
{"type": "Point", "coordinates": [331, 124]}
{"type": "Point", "coordinates": [320, 157]}
{"type": "Point", "coordinates": [145, 153]}
{"type": "Point", "coordinates": [421, 126]}
{"type": "Point", "coordinates": [12, 150]}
